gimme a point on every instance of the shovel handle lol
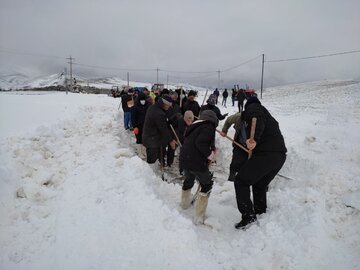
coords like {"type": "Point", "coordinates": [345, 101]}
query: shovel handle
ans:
{"type": "Point", "coordinates": [252, 133]}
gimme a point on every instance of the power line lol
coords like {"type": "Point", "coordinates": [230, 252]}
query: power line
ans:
{"type": "Point", "coordinates": [310, 57]}
{"type": "Point", "coordinates": [176, 71]}
{"type": "Point", "coordinates": [239, 65]}
{"type": "Point", "coordinates": [114, 68]}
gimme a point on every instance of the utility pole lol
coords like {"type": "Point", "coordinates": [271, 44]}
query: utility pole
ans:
{"type": "Point", "coordinates": [157, 75]}
{"type": "Point", "coordinates": [128, 79]}
{"type": "Point", "coordinates": [66, 82]}
{"type": "Point", "coordinates": [167, 81]}
{"type": "Point", "coordinates": [71, 78]}
{"type": "Point", "coordinates": [262, 75]}
{"type": "Point", "coordinates": [218, 79]}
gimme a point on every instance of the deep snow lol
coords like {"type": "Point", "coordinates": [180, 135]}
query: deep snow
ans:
{"type": "Point", "coordinates": [74, 195]}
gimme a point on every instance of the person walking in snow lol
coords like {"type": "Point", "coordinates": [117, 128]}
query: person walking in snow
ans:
{"type": "Point", "coordinates": [217, 94]}
{"type": "Point", "coordinates": [195, 155]}
{"type": "Point", "coordinates": [127, 102]}
{"type": "Point", "coordinates": [241, 98]}
{"type": "Point", "coordinates": [156, 134]}
{"type": "Point", "coordinates": [268, 156]}
{"type": "Point", "coordinates": [138, 113]}
{"type": "Point", "coordinates": [225, 95]}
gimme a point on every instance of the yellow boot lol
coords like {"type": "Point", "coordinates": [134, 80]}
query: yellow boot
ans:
{"type": "Point", "coordinates": [200, 207]}
{"type": "Point", "coordinates": [186, 198]}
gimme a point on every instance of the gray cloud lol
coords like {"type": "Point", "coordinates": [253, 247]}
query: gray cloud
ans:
{"type": "Point", "coordinates": [184, 36]}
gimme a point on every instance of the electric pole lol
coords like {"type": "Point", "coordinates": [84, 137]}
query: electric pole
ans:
{"type": "Point", "coordinates": [66, 82]}
{"type": "Point", "coordinates": [262, 75]}
{"type": "Point", "coordinates": [71, 78]}
{"type": "Point", "coordinates": [167, 81]}
{"type": "Point", "coordinates": [218, 79]}
{"type": "Point", "coordinates": [157, 75]}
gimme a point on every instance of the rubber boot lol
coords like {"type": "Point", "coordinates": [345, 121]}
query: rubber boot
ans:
{"type": "Point", "coordinates": [200, 207]}
{"type": "Point", "coordinates": [186, 199]}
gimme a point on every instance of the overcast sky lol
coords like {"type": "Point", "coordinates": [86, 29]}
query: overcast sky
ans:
{"type": "Point", "coordinates": [183, 35]}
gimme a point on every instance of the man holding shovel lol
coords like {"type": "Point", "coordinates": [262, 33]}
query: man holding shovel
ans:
{"type": "Point", "coordinates": [267, 154]}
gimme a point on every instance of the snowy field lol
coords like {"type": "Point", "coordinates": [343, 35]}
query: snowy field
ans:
{"type": "Point", "coordinates": [74, 195]}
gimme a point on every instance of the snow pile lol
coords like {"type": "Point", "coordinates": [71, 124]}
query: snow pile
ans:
{"type": "Point", "coordinates": [74, 195]}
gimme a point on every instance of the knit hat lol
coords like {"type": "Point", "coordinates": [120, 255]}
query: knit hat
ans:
{"type": "Point", "coordinates": [192, 93]}
{"type": "Point", "coordinates": [173, 94]}
{"type": "Point", "coordinates": [166, 99]}
{"type": "Point", "coordinates": [210, 116]}
{"type": "Point", "coordinates": [165, 91]}
{"type": "Point", "coordinates": [188, 115]}
{"type": "Point", "coordinates": [212, 99]}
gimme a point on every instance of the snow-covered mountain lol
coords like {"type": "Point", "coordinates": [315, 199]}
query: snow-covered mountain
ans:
{"type": "Point", "coordinates": [18, 81]}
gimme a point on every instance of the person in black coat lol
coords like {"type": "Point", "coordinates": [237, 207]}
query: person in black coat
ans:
{"type": "Point", "coordinates": [191, 105]}
{"type": "Point", "coordinates": [217, 94]}
{"type": "Point", "coordinates": [171, 113]}
{"type": "Point", "coordinates": [138, 112]}
{"type": "Point", "coordinates": [241, 98]}
{"type": "Point", "coordinates": [211, 106]}
{"type": "Point", "coordinates": [225, 95]}
{"type": "Point", "coordinates": [156, 134]}
{"type": "Point", "coordinates": [180, 124]}
{"type": "Point", "coordinates": [195, 155]}
{"type": "Point", "coordinates": [233, 96]}
{"type": "Point", "coordinates": [268, 156]}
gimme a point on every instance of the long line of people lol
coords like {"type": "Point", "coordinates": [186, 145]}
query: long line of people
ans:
{"type": "Point", "coordinates": [164, 121]}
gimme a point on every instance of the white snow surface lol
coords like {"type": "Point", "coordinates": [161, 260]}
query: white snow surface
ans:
{"type": "Point", "coordinates": [74, 195]}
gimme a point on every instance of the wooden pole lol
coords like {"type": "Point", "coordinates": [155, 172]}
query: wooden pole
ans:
{"type": "Point", "coordinates": [176, 136]}
{"type": "Point", "coordinates": [236, 143]}
{"type": "Point", "coordinates": [205, 97]}
{"type": "Point", "coordinates": [252, 133]}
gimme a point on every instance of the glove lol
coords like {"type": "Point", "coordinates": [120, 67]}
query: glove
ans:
{"type": "Point", "coordinates": [212, 156]}
{"type": "Point", "coordinates": [136, 131]}
{"type": "Point", "coordinates": [226, 114]}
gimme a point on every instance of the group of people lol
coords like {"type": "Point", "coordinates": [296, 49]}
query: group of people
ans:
{"type": "Point", "coordinates": [238, 95]}
{"type": "Point", "coordinates": [168, 121]}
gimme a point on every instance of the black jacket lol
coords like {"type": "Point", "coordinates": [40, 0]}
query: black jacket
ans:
{"type": "Point", "coordinates": [138, 113]}
{"type": "Point", "coordinates": [268, 136]}
{"type": "Point", "coordinates": [241, 96]}
{"type": "Point", "coordinates": [179, 125]}
{"type": "Point", "coordinates": [192, 106]}
{"type": "Point", "coordinates": [155, 130]}
{"type": "Point", "coordinates": [214, 109]}
{"type": "Point", "coordinates": [225, 94]}
{"type": "Point", "coordinates": [197, 146]}
{"type": "Point", "coordinates": [126, 102]}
